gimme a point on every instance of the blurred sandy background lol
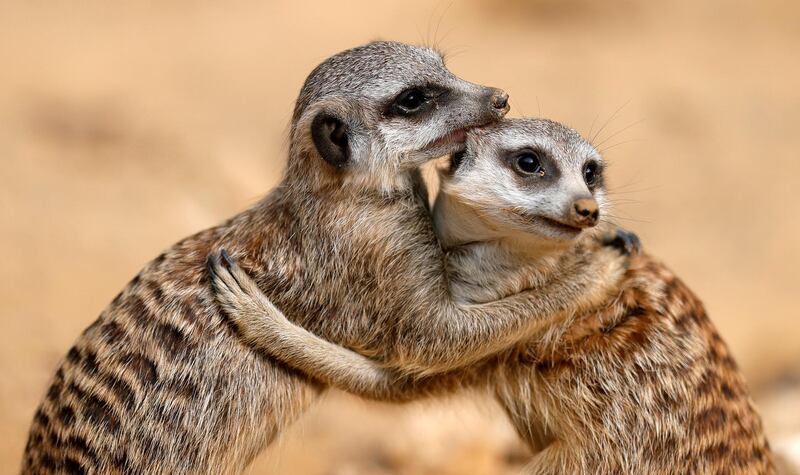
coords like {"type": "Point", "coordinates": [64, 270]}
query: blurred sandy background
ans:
{"type": "Point", "coordinates": [124, 127]}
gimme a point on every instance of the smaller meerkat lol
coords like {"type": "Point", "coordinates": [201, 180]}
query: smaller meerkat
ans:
{"type": "Point", "coordinates": [640, 383]}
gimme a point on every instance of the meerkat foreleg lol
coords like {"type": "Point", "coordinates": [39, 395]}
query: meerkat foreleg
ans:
{"type": "Point", "coordinates": [266, 327]}
{"type": "Point", "coordinates": [263, 325]}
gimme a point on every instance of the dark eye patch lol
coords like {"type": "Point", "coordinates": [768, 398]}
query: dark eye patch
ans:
{"type": "Point", "coordinates": [593, 174]}
{"type": "Point", "coordinates": [415, 101]}
{"type": "Point", "coordinates": [411, 99]}
{"type": "Point", "coordinates": [532, 165]}
{"type": "Point", "coordinates": [528, 162]}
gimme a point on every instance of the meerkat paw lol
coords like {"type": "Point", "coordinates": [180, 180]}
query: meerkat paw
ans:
{"type": "Point", "coordinates": [227, 289]}
{"type": "Point", "coordinates": [236, 292]}
{"type": "Point", "coordinates": [626, 241]}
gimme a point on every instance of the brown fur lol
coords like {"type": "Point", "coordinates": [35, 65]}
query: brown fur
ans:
{"type": "Point", "coordinates": [642, 383]}
{"type": "Point", "coordinates": [639, 382]}
{"type": "Point", "coordinates": [161, 383]}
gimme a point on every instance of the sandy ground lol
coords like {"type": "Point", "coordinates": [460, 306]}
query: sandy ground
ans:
{"type": "Point", "coordinates": [124, 127]}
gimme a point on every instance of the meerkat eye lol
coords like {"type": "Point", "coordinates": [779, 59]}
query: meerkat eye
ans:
{"type": "Point", "coordinates": [591, 173]}
{"type": "Point", "coordinates": [529, 164]}
{"type": "Point", "coordinates": [409, 101]}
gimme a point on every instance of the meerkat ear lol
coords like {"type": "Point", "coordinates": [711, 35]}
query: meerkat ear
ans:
{"type": "Point", "coordinates": [331, 137]}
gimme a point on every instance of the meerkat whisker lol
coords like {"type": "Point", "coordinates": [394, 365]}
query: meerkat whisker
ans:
{"type": "Point", "coordinates": [591, 127]}
{"type": "Point", "coordinates": [617, 144]}
{"type": "Point", "coordinates": [623, 129]}
{"type": "Point", "coordinates": [608, 121]}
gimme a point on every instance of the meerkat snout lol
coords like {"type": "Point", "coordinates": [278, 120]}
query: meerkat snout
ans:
{"type": "Point", "coordinates": [584, 213]}
{"type": "Point", "coordinates": [499, 101]}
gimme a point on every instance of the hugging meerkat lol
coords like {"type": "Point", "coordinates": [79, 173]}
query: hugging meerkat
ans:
{"type": "Point", "coordinates": [160, 382]}
{"type": "Point", "coordinates": [640, 383]}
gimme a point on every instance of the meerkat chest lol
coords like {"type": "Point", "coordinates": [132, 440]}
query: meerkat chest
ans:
{"type": "Point", "coordinates": [486, 271]}
{"type": "Point", "coordinates": [483, 272]}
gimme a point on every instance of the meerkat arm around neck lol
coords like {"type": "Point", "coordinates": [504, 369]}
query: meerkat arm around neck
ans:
{"type": "Point", "coordinates": [264, 326]}
{"type": "Point", "coordinates": [443, 344]}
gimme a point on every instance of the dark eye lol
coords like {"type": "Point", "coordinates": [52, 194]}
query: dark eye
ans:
{"type": "Point", "coordinates": [591, 173]}
{"type": "Point", "coordinates": [410, 100]}
{"type": "Point", "coordinates": [529, 163]}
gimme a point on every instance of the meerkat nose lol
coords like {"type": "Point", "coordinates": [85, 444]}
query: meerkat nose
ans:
{"type": "Point", "coordinates": [500, 99]}
{"type": "Point", "coordinates": [585, 212]}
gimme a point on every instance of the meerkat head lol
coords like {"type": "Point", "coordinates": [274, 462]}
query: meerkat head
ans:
{"type": "Point", "coordinates": [528, 177]}
{"type": "Point", "coordinates": [373, 112]}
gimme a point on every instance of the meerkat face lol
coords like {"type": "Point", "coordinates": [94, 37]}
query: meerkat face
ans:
{"type": "Point", "coordinates": [385, 108]}
{"type": "Point", "coordinates": [530, 176]}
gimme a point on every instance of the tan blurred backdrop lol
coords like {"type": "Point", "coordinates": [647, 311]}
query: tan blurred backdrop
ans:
{"type": "Point", "coordinates": [125, 126]}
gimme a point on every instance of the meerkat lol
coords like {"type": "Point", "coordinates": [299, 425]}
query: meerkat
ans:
{"type": "Point", "coordinates": [640, 383]}
{"type": "Point", "coordinates": [161, 382]}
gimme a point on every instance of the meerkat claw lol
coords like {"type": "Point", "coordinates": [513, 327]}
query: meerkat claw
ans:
{"type": "Point", "coordinates": [626, 241]}
{"type": "Point", "coordinates": [211, 264]}
{"type": "Point", "coordinates": [227, 258]}
{"type": "Point", "coordinates": [221, 276]}
{"type": "Point", "coordinates": [235, 272]}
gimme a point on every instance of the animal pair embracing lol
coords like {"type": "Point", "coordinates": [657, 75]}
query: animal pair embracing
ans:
{"type": "Point", "coordinates": [604, 361]}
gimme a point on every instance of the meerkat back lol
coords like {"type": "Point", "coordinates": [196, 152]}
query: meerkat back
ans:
{"type": "Point", "coordinates": [160, 383]}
